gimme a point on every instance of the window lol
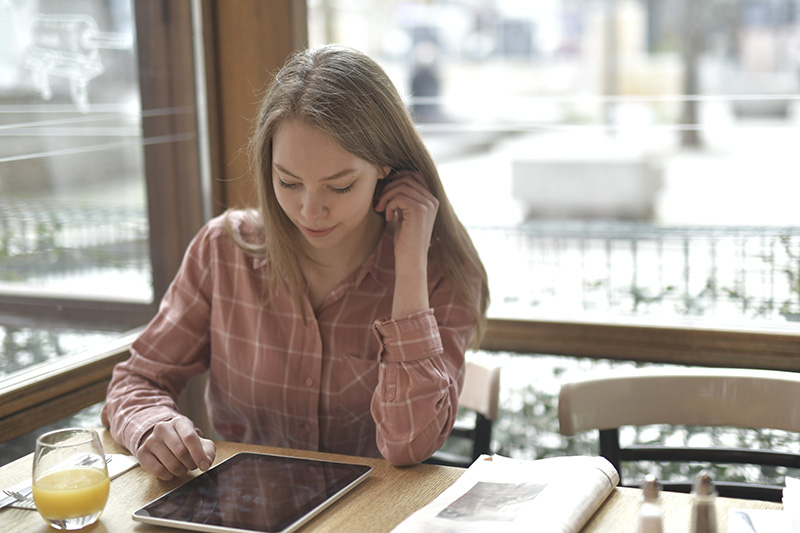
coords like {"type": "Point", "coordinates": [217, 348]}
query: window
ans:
{"type": "Point", "coordinates": [74, 207]}
{"type": "Point", "coordinates": [627, 170]}
{"type": "Point", "coordinates": [101, 190]}
{"type": "Point", "coordinates": [625, 162]}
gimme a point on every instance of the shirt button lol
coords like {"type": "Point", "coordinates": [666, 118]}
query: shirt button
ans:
{"type": "Point", "coordinates": [309, 382]}
{"type": "Point", "coordinates": [308, 427]}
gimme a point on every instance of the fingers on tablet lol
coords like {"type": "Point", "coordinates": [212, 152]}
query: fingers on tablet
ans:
{"type": "Point", "coordinates": [174, 448]}
{"type": "Point", "coordinates": [210, 450]}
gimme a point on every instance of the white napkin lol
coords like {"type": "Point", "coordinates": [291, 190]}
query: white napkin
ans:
{"type": "Point", "coordinates": [791, 502]}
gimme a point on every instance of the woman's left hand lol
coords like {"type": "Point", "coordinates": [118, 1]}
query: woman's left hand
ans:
{"type": "Point", "coordinates": [407, 201]}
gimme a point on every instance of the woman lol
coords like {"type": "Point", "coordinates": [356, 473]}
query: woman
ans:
{"type": "Point", "coordinates": [335, 317]}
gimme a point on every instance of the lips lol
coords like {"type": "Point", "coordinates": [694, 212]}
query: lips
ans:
{"type": "Point", "coordinates": [317, 232]}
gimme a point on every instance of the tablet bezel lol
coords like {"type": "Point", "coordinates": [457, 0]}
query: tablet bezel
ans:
{"type": "Point", "coordinates": [140, 514]}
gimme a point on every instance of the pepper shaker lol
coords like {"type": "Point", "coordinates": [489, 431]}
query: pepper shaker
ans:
{"type": "Point", "coordinates": [704, 512]}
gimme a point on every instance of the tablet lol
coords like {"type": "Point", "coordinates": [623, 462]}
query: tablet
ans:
{"type": "Point", "coordinates": [254, 492]}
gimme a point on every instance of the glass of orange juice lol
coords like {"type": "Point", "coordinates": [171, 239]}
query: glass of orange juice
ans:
{"type": "Point", "coordinates": [70, 478]}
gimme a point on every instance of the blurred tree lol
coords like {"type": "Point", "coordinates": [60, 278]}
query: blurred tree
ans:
{"type": "Point", "coordinates": [691, 48]}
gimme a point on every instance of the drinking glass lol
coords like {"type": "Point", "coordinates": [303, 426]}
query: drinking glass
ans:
{"type": "Point", "coordinates": [70, 478]}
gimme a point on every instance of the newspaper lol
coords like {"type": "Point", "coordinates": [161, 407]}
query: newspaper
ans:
{"type": "Point", "coordinates": [557, 494]}
{"type": "Point", "coordinates": [760, 521]}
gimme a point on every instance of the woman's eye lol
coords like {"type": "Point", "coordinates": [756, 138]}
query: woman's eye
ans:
{"type": "Point", "coordinates": [343, 190]}
{"type": "Point", "coordinates": [286, 185]}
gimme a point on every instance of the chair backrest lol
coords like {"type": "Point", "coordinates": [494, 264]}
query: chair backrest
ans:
{"type": "Point", "coordinates": [481, 394]}
{"type": "Point", "coordinates": [756, 399]}
{"type": "Point", "coordinates": [481, 391]}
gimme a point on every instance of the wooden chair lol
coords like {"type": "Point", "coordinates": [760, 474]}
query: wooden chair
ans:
{"type": "Point", "coordinates": [693, 397]}
{"type": "Point", "coordinates": [481, 394]}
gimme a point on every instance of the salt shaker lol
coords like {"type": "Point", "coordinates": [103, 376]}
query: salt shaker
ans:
{"type": "Point", "coordinates": [650, 509]}
{"type": "Point", "coordinates": [704, 512]}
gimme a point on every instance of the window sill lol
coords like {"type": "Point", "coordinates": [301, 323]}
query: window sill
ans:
{"type": "Point", "coordinates": [50, 391]}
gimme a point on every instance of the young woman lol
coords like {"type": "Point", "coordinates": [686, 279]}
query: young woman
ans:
{"type": "Point", "coordinates": [335, 317]}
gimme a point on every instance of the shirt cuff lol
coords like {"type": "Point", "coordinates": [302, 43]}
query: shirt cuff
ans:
{"type": "Point", "coordinates": [408, 339]}
{"type": "Point", "coordinates": [135, 430]}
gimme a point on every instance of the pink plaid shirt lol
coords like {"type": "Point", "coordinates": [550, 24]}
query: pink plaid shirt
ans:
{"type": "Point", "coordinates": [346, 382]}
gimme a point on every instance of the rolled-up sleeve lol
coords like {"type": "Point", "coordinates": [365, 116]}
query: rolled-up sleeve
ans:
{"type": "Point", "coordinates": [172, 348]}
{"type": "Point", "coordinates": [420, 377]}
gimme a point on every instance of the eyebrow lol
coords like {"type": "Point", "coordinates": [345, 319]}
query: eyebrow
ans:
{"type": "Point", "coordinates": [335, 176]}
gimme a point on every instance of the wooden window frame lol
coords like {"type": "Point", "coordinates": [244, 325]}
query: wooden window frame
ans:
{"type": "Point", "coordinates": [166, 79]}
{"type": "Point", "coordinates": [244, 42]}
{"type": "Point", "coordinates": [45, 393]}
{"type": "Point", "coordinates": [693, 344]}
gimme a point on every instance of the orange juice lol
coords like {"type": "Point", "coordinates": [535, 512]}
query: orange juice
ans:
{"type": "Point", "coordinates": [70, 493]}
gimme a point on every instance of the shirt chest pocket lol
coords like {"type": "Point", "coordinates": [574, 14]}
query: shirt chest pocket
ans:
{"type": "Point", "coordinates": [352, 369]}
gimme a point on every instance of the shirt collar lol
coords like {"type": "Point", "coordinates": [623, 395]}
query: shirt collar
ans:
{"type": "Point", "coordinates": [380, 263]}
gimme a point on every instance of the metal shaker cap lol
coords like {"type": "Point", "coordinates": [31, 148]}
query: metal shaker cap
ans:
{"type": "Point", "coordinates": [651, 488]}
{"type": "Point", "coordinates": [704, 485]}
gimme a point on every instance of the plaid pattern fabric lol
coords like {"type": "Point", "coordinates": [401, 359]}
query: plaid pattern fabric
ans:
{"type": "Point", "coordinates": [347, 381]}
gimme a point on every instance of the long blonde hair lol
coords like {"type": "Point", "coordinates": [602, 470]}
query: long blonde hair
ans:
{"type": "Point", "coordinates": [347, 95]}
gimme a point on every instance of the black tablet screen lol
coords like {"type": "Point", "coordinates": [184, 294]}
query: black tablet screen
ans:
{"type": "Point", "coordinates": [255, 492]}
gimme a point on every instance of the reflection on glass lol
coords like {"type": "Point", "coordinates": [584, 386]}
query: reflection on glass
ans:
{"type": "Point", "coordinates": [73, 217]}
{"type": "Point", "coordinates": [23, 346]}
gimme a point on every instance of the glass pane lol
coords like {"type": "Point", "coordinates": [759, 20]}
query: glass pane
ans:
{"type": "Point", "coordinates": [615, 158]}
{"type": "Point", "coordinates": [21, 446]}
{"type": "Point", "coordinates": [23, 346]}
{"type": "Point", "coordinates": [73, 213]}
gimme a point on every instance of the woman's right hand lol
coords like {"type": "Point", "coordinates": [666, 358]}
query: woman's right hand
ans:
{"type": "Point", "coordinates": [175, 447]}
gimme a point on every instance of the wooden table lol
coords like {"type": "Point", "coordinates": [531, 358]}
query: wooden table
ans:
{"type": "Point", "coordinates": [620, 511]}
{"type": "Point", "coordinates": [380, 503]}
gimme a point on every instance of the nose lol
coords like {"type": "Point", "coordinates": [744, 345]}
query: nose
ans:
{"type": "Point", "coordinates": [313, 206]}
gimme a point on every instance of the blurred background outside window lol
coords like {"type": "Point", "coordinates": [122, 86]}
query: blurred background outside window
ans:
{"type": "Point", "coordinates": [73, 213]}
{"type": "Point", "coordinates": [628, 161]}
{"type": "Point", "coordinates": [613, 159]}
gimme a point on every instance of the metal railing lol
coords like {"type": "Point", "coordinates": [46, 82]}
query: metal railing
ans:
{"type": "Point", "coordinates": [635, 269]}
{"type": "Point", "coordinates": [47, 239]}
{"type": "Point", "coordinates": [539, 267]}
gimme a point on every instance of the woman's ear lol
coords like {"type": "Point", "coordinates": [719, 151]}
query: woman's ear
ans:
{"type": "Point", "coordinates": [382, 181]}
